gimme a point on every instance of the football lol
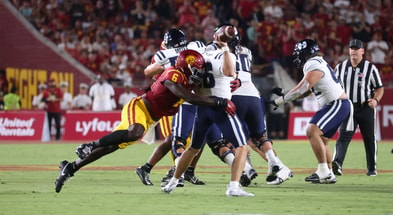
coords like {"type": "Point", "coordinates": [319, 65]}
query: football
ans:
{"type": "Point", "coordinates": [226, 33]}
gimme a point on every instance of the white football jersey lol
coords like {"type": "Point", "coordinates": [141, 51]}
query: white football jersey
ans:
{"type": "Point", "coordinates": [215, 83]}
{"type": "Point", "coordinates": [167, 57]}
{"type": "Point", "coordinates": [243, 68]}
{"type": "Point", "coordinates": [328, 88]}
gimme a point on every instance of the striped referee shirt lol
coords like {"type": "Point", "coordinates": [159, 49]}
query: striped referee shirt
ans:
{"type": "Point", "coordinates": [359, 82]}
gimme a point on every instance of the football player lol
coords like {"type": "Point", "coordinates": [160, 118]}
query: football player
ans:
{"type": "Point", "coordinates": [163, 98]}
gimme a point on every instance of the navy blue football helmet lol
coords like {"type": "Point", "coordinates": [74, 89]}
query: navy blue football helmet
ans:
{"type": "Point", "coordinates": [303, 50]}
{"type": "Point", "coordinates": [174, 38]}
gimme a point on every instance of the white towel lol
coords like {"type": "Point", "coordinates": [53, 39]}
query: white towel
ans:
{"type": "Point", "coordinates": [150, 135]}
{"type": "Point", "coordinates": [350, 124]}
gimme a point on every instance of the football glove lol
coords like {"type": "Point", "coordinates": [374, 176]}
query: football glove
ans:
{"type": "Point", "coordinates": [230, 108]}
{"type": "Point", "coordinates": [235, 84]}
{"type": "Point", "coordinates": [225, 104]}
{"type": "Point", "coordinates": [277, 91]}
{"type": "Point", "coordinates": [272, 102]}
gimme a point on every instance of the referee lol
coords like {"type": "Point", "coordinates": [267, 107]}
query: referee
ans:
{"type": "Point", "coordinates": [362, 83]}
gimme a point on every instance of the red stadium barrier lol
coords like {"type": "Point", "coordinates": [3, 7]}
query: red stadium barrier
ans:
{"type": "Point", "coordinates": [82, 125]}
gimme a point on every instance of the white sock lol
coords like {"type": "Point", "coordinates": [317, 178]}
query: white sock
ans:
{"type": "Point", "coordinates": [270, 156]}
{"type": "Point", "coordinates": [177, 161]}
{"type": "Point", "coordinates": [247, 167]}
{"type": "Point", "coordinates": [173, 180]}
{"type": "Point", "coordinates": [234, 184]}
{"type": "Point", "coordinates": [229, 159]}
{"type": "Point", "coordinates": [279, 162]}
{"type": "Point", "coordinates": [323, 170]}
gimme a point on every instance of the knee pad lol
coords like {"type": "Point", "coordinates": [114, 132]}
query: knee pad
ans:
{"type": "Point", "coordinates": [177, 143]}
{"type": "Point", "coordinates": [261, 140]}
{"type": "Point", "coordinates": [217, 145]}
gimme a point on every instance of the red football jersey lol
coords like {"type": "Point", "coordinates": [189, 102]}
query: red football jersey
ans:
{"type": "Point", "coordinates": [162, 101]}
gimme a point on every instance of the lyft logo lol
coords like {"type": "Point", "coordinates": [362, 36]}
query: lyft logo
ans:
{"type": "Point", "coordinates": [95, 125]}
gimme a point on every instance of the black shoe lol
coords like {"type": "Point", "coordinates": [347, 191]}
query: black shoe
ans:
{"type": "Point", "coordinates": [273, 175]}
{"type": "Point", "coordinates": [65, 174]}
{"type": "Point", "coordinates": [168, 176]}
{"type": "Point", "coordinates": [372, 173]}
{"type": "Point", "coordinates": [252, 174]}
{"type": "Point", "coordinates": [84, 150]}
{"type": "Point", "coordinates": [181, 182]}
{"type": "Point", "coordinates": [244, 180]}
{"type": "Point", "coordinates": [144, 176]}
{"type": "Point", "coordinates": [337, 170]}
{"type": "Point", "coordinates": [314, 178]}
{"type": "Point", "coordinates": [193, 179]}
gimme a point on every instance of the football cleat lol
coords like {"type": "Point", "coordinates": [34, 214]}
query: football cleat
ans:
{"type": "Point", "coordinates": [144, 176]}
{"type": "Point", "coordinates": [84, 150]}
{"type": "Point", "coordinates": [64, 175]}
{"type": "Point", "coordinates": [246, 178]}
{"type": "Point", "coordinates": [272, 171]}
{"type": "Point", "coordinates": [336, 167]}
{"type": "Point", "coordinates": [170, 186]}
{"type": "Point", "coordinates": [315, 179]}
{"type": "Point", "coordinates": [193, 179]}
{"type": "Point", "coordinates": [371, 173]}
{"type": "Point", "coordinates": [168, 176]}
{"type": "Point", "coordinates": [237, 191]}
{"type": "Point", "coordinates": [284, 174]}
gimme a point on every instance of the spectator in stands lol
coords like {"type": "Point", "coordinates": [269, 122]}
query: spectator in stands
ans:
{"type": "Point", "coordinates": [53, 96]}
{"type": "Point", "coordinates": [123, 74]}
{"type": "Point", "coordinates": [378, 49]}
{"type": "Point", "coordinates": [26, 9]}
{"type": "Point", "coordinates": [187, 14]}
{"type": "Point", "coordinates": [37, 102]}
{"type": "Point", "coordinates": [208, 24]}
{"type": "Point", "coordinates": [127, 95]}
{"type": "Point", "coordinates": [102, 95]}
{"type": "Point", "coordinates": [65, 104]}
{"type": "Point", "coordinates": [12, 100]}
{"type": "Point", "coordinates": [273, 9]}
{"type": "Point", "coordinates": [82, 101]}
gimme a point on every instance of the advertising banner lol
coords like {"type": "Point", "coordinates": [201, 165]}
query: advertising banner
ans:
{"type": "Point", "coordinates": [83, 125]}
{"type": "Point", "coordinates": [26, 125]}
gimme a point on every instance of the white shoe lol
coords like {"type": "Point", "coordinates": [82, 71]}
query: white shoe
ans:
{"type": "Point", "coordinates": [237, 191]}
{"type": "Point", "coordinates": [284, 174]}
{"type": "Point", "coordinates": [331, 179]}
{"type": "Point", "coordinates": [171, 186]}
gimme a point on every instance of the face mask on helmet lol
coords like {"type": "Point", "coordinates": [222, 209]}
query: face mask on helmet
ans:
{"type": "Point", "coordinates": [174, 38]}
{"type": "Point", "coordinates": [303, 50]}
{"type": "Point", "coordinates": [191, 63]}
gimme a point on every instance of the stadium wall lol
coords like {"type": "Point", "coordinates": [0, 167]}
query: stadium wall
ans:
{"type": "Point", "coordinates": [30, 59]}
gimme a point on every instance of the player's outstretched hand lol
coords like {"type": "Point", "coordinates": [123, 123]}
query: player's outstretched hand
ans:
{"type": "Point", "coordinates": [235, 84]}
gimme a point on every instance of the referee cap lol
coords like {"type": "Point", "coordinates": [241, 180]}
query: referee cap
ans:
{"type": "Point", "coordinates": [356, 43]}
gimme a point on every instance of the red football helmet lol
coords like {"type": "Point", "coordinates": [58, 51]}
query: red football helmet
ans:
{"type": "Point", "coordinates": [190, 62]}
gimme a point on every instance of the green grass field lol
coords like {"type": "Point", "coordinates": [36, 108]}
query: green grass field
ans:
{"type": "Point", "coordinates": [110, 185]}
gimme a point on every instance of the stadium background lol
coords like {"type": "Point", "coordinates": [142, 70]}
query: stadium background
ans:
{"type": "Point", "coordinates": [29, 54]}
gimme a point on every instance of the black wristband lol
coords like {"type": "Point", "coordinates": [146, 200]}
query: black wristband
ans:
{"type": "Point", "coordinates": [221, 103]}
{"type": "Point", "coordinates": [376, 100]}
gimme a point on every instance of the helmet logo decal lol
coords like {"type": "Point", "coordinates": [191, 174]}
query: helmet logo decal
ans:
{"type": "Point", "coordinates": [190, 59]}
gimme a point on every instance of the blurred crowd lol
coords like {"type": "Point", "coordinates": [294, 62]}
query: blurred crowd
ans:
{"type": "Point", "coordinates": [116, 38]}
